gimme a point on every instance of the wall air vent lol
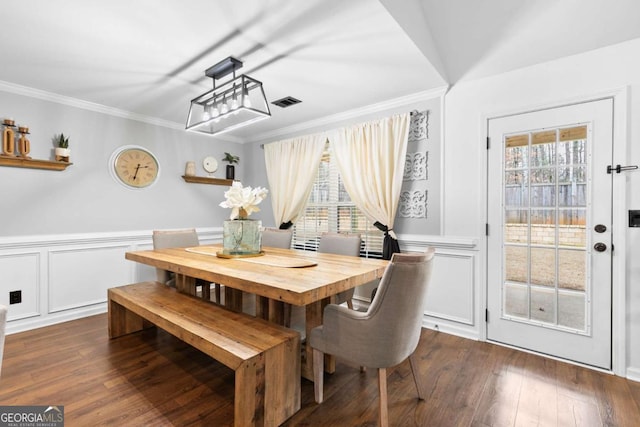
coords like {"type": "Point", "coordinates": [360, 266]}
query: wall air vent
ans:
{"type": "Point", "coordinates": [285, 102]}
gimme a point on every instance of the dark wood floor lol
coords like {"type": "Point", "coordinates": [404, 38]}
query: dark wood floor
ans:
{"type": "Point", "coordinates": [153, 379]}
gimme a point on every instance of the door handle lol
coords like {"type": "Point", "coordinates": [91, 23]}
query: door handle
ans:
{"type": "Point", "coordinates": [600, 247]}
{"type": "Point", "coordinates": [600, 228]}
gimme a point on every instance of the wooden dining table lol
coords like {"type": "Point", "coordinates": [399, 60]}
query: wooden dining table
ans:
{"type": "Point", "coordinates": [278, 278]}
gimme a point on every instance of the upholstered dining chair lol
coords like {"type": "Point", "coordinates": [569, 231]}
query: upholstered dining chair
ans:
{"type": "Point", "coordinates": [334, 243]}
{"type": "Point", "coordinates": [341, 244]}
{"type": "Point", "coordinates": [3, 325]}
{"type": "Point", "coordinates": [275, 238]}
{"type": "Point", "coordinates": [384, 336]}
{"type": "Point", "coordinates": [187, 238]}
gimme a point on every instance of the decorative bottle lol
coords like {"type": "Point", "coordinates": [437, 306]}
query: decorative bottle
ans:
{"type": "Point", "coordinates": [8, 138]}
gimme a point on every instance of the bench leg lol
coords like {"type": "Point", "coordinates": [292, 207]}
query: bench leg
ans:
{"type": "Point", "coordinates": [249, 393]}
{"type": "Point", "coordinates": [267, 387]}
{"type": "Point", "coordinates": [123, 321]}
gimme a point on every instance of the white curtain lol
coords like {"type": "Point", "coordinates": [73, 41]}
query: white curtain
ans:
{"type": "Point", "coordinates": [371, 159]}
{"type": "Point", "coordinates": [292, 166]}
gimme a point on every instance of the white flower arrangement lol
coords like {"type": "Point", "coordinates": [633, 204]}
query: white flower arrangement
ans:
{"type": "Point", "coordinates": [243, 201]}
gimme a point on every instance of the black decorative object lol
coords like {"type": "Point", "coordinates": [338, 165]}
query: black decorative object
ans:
{"type": "Point", "coordinates": [285, 225]}
{"type": "Point", "coordinates": [231, 172]}
{"type": "Point", "coordinates": [231, 159]}
{"type": "Point", "coordinates": [389, 245]}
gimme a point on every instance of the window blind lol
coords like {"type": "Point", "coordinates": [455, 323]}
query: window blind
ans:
{"type": "Point", "coordinates": [330, 209]}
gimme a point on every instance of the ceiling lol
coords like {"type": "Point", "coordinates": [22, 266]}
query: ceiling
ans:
{"type": "Point", "coordinates": [148, 57]}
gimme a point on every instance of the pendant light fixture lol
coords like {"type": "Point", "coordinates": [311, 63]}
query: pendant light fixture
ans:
{"type": "Point", "coordinates": [234, 104]}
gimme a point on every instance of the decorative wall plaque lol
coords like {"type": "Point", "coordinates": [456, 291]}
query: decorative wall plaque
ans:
{"type": "Point", "coordinates": [415, 166]}
{"type": "Point", "coordinates": [413, 204]}
{"type": "Point", "coordinates": [419, 126]}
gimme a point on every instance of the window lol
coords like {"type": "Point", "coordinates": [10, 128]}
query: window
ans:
{"type": "Point", "coordinates": [330, 209]}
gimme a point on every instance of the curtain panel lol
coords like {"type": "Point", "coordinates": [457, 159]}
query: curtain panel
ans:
{"type": "Point", "coordinates": [371, 160]}
{"type": "Point", "coordinates": [291, 170]}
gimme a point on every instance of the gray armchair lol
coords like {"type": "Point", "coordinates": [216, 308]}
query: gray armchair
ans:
{"type": "Point", "coordinates": [386, 334]}
{"type": "Point", "coordinates": [3, 325]}
{"type": "Point", "coordinates": [334, 243]}
{"type": "Point", "coordinates": [274, 238]}
{"type": "Point", "coordinates": [341, 244]}
{"type": "Point", "coordinates": [188, 238]}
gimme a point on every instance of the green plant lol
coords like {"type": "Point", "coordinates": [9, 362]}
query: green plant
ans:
{"type": "Point", "coordinates": [230, 158]}
{"type": "Point", "coordinates": [62, 141]}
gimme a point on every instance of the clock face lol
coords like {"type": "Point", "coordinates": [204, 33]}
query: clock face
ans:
{"type": "Point", "coordinates": [135, 167]}
{"type": "Point", "coordinates": [210, 164]}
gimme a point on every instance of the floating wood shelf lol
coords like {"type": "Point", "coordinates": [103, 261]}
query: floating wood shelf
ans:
{"type": "Point", "coordinates": [19, 162]}
{"type": "Point", "coordinates": [207, 180]}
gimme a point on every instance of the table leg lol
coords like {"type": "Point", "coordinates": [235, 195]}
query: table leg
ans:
{"type": "Point", "coordinates": [233, 299]}
{"type": "Point", "coordinates": [186, 284]}
{"type": "Point", "coordinates": [206, 290]}
{"type": "Point", "coordinates": [262, 307]}
{"type": "Point", "coordinates": [272, 310]}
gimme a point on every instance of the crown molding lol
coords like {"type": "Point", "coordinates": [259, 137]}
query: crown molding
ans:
{"type": "Point", "coordinates": [95, 107]}
{"type": "Point", "coordinates": [351, 114]}
{"type": "Point", "coordinates": [269, 135]}
{"type": "Point", "coordinates": [84, 105]}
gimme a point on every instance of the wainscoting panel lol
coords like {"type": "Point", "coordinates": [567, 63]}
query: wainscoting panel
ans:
{"type": "Point", "coordinates": [21, 272]}
{"type": "Point", "coordinates": [65, 277]}
{"type": "Point", "coordinates": [143, 272]}
{"type": "Point", "coordinates": [451, 290]}
{"type": "Point", "coordinates": [452, 300]}
{"type": "Point", "coordinates": [80, 277]}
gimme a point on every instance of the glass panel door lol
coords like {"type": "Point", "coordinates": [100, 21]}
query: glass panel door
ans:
{"type": "Point", "coordinates": [549, 246]}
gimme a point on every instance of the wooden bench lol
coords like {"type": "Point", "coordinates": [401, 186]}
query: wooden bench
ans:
{"type": "Point", "coordinates": [264, 356]}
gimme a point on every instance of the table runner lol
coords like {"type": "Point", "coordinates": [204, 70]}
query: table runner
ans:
{"type": "Point", "coordinates": [266, 259]}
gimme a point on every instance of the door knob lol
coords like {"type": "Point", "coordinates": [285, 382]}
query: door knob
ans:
{"type": "Point", "coordinates": [600, 228]}
{"type": "Point", "coordinates": [600, 247]}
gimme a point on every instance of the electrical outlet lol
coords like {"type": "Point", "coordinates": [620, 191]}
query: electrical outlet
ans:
{"type": "Point", "coordinates": [15, 297]}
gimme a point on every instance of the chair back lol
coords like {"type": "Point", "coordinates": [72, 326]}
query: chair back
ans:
{"type": "Point", "coordinates": [397, 310]}
{"type": "Point", "coordinates": [163, 239]}
{"type": "Point", "coordinates": [3, 325]}
{"type": "Point", "coordinates": [275, 238]}
{"type": "Point", "coordinates": [340, 244]}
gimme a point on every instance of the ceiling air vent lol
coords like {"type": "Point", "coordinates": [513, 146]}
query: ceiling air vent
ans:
{"type": "Point", "coordinates": [285, 102]}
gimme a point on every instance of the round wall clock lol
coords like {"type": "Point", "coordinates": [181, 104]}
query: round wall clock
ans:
{"type": "Point", "coordinates": [210, 164]}
{"type": "Point", "coordinates": [134, 166]}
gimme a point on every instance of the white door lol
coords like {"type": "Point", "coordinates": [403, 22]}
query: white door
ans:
{"type": "Point", "coordinates": [549, 232]}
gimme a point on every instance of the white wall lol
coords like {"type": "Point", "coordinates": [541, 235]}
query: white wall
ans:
{"type": "Point", "coordinates": [468, 104]}
{"type": "Point", "coordinates": [84, 197]}
{"type": "Point", "coordinates": [63, 234]}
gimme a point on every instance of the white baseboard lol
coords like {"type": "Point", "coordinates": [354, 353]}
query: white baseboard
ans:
{"type": "Point", "coordinates": [633, 374]}
{"type": "Point", "coordinates": [459, 330]}
{"type": "Point", "coordinates": [41, 322]}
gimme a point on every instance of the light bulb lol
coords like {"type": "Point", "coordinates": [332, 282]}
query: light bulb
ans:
{"type": "Point", "coordinates": [234, 104]}
{"type": "Point", "coordinates": [225, 107]}
{"type": "Point", "coordinates": [215, 112]}
{"type": "Point", "coordinates": [246, 101]}
{"type": "Point", "coordinates": [206, 116]}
